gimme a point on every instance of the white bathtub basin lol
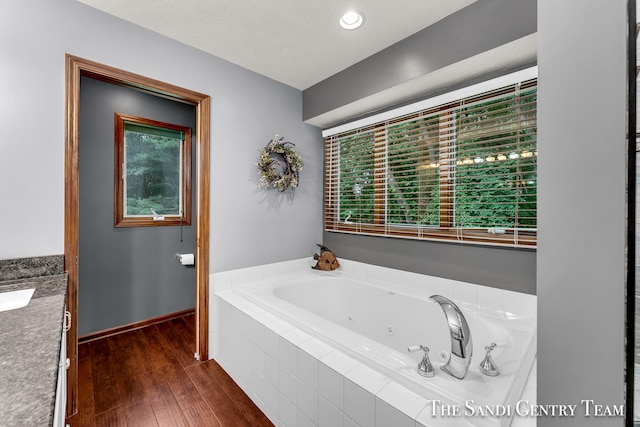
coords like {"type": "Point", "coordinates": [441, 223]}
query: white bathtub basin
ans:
{"type": "Point", "coordinates": [369, 323]}
{"type": "Point", "coordinates": [15, 299]}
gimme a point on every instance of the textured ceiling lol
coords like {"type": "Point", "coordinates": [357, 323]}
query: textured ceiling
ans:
{"type": "Point", "coordinates": [297, 42]}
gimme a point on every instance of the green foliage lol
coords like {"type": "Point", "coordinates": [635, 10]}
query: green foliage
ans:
{"type": "Point", "coordinates": [161, 205]}
{"type": "Point", "coordinates": [414, 191]}
{"type": "Point", "coordinates": [152, 174]}
{"type": "Point", "coordinates": [489, 163]}
{"type": "Point", "coordinates": [501, 192]}
{"type": "Point", "coordinates": [356, 178]}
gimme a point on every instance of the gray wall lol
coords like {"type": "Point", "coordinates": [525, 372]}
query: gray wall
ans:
{"type": "Point", "coordinates": [477, 28]}
{"type": "Point", "coordinates": [125, 274]}
{"type": "Point", "coordinates": [249, 226]}
{"type": "Point", "coordinates": [581, 205]}
{"type": "Point", "coordinates": [502, 268]}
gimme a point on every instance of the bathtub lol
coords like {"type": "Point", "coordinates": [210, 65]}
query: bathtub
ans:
{"type": "Point", "coordinates": [333, 346]}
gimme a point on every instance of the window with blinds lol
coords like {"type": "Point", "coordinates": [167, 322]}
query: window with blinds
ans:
{"type": "Point", "coordinates": [463, 171]}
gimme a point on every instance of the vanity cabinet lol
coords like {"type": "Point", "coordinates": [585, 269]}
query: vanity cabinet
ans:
{"type": "Point", "coordinates": [61, 387]}
{"type": "Point", "coordinates": [33, 357]}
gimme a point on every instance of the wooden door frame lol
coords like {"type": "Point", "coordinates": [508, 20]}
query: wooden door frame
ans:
{"type": "Point", "coordinates": [75, 68]}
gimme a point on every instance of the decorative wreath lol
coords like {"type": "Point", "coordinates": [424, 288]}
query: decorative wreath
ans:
{"type": "Point", "coordinates": [273, 172]}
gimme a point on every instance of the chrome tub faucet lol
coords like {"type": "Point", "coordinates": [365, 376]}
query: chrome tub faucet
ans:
{"type": "Point", "coordinates": [461, 343]}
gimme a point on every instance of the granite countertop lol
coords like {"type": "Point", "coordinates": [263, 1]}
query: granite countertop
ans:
{"type": "Point", "coordinates": [30, 351]}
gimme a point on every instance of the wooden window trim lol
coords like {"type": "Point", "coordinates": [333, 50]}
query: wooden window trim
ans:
{"type": "Point", "coordinates": [526, 238]}
{"type": "Point", "coordinates": [447, 168]}
{"type": "Point", "coordinates": [380, 174]}
{"type": "Point", "coordinates": [120, 220]}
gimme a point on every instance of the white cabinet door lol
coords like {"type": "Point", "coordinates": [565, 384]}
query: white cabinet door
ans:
{"type": "Point", "coordinates": [61, 388]}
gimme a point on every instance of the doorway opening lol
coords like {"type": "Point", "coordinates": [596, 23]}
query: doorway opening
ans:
{"type": "Point", "coordinates": [75, 69]}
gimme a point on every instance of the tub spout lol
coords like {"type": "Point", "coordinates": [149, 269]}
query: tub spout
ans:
{"type": "Point", "coordinates": [461, 344]}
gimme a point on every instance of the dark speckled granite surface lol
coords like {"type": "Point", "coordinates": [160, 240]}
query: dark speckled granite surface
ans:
{"type": "Point", "coordinates": [21, 268]}
{"type": "Point", "coordinates": [30, 347]}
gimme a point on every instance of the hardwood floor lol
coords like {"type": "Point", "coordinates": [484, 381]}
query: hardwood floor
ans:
{"type": "Point", "coordinates": [148, 377]}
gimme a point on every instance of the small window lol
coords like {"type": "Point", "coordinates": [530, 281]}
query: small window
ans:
{"type": "Point", "coordinates": [152, 173]}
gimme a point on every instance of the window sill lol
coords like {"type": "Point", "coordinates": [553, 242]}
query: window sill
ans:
{"type": "Point", "coordinates": [150, 222]}
{"type": "Point", "coordinates": [523, 239]}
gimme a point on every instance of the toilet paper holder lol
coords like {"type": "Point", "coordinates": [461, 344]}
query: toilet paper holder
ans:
{"type": "Point", "coordinates": [185, 259]}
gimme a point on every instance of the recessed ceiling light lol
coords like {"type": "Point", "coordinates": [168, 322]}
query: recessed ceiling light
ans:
{"type": "Point", "coordinates": [352, 19]}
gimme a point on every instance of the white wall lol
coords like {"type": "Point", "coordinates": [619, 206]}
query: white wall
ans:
{"type": "Point", "coordinates": [581, 205]}
{"type": "Point", "coordinates": [249, 226]}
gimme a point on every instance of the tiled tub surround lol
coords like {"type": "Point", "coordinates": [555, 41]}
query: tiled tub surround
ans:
{"type": "Point", "coordinates": [30, 341]}
{"type": "Point", "coordinates": [299, 375]}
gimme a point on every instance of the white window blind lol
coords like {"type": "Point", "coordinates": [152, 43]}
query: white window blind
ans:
{"type": "Point", "coordinates": [464, 171]}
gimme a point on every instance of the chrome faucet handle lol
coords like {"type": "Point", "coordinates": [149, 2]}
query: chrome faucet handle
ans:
{"type": "Point", "coordinates": [487, 366]}
{"type": "Point", "coordinates": [460, 334]}
{"type": "Point", "coordinates": [425, 368]}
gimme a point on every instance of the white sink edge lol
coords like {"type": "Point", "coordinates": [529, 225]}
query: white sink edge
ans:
{"type": "Point", "coordinates": [15, 299]}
